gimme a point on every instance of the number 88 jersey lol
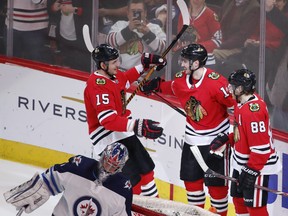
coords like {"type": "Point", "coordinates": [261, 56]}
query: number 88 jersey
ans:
{"type": "Point", "coordinates": [253, 137]}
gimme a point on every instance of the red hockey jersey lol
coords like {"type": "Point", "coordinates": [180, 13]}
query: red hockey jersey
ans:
{"type": "Point", "coordinates": [107, 116]}
{"type": "Point", "coordinates": [253, 137]}
{"type": "Point", "coordinates": [208, 31]}
{"type": "Point", "coordinates": [208, 99]}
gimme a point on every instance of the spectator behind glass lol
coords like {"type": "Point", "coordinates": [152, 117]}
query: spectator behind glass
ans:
{"type": "Point", "coordinates": [67, 19]}
{"type": "Point", "coordinates": [30, 23]}
{"type": "Point", "coordinates": [276, 28]}
{"type": "Point", "coordinates": [278, 94]}
{"type": "Point", "coordinates": [282, 6]}
{"type": "Point", "coordinates": [110, 11]}
{"type": "Point", "coordinates": [136, 36]}
{"type": "Point", "coordinates": [3, 11]}
{"type": "Point", "coordinates": [204, 29]}
{"type": "Point", "coordinates": [238, 19]}
{"type": "Point", "coordinates": [151, 6]}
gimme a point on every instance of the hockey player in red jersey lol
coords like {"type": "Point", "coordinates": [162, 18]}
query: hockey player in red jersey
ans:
{"type": "Point", "coordinates": [89, 187]}
{"type": "Point", "coordinates": [204, 95]}
{"type": "Point", "coordinates": [109, 120]}
{"type": "Point", "coordinates": [254, 156]}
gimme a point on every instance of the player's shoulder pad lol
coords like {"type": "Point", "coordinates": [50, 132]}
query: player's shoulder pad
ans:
{"type": "Point", "coordinates": [80, 160]}
{"type": "Point", "coordinates": [77, 164]}
{"type": "Point", "coordinates": [179, 74]}
{"type": "Point", "coordinates": [213, 75]}
{"type": "Point", "coordinates": [118, 183]}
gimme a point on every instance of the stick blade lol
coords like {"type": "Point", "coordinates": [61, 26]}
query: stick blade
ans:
{"type": "Point", "coordinates": [184, 11]}
{"type": "Point", "coordinates": [197, 154]}
{"type": "Point", "coordinates": [87, 39]}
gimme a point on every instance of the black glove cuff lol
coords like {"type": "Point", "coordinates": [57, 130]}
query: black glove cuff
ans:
{"type": "Point", "coordinates": [250, 171]}
{"type": "Point", "coordinates": [127, 33]}
{"type": "Point", "coordinates": [149, 37]}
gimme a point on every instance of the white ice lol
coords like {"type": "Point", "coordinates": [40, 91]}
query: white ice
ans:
{"type": "Point", "coordinates": [13, 174]}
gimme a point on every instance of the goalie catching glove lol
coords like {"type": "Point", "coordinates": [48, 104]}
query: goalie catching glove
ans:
{"type": "Point", "coordinates": [30, 195]}
{"type": "Point", "coordinates": [147, 128]}
{"type": "Point", "coordinates": [148, 59]}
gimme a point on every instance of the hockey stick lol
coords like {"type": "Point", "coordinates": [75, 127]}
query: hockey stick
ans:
{"type": "Point", "coordinates": [195, 150]}
{"type": "Point", "coordinates": [87, 39]}
{"type": "Point", "coordinates": [20, 211]}
{"type": "Point", "coordinates": [185, 14]}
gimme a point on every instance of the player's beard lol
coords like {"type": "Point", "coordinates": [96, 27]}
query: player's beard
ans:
{"type": "Point", "coordinates": [103, 175]}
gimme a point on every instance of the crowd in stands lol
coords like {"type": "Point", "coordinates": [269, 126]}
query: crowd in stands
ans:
{"type": "Point", "coordinates": [50, 31]}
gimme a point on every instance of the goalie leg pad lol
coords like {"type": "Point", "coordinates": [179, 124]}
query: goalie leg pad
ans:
{"type": "Point", "coordinates": [31, 194]}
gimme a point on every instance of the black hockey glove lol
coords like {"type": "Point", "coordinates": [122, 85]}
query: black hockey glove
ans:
{"type": "Point", "coordinates": [151, 85]}
{"type": "Point", "coordinates": [218, 145]}
{"type": "Point", "coordinates": [247, 178]}
{"type": "Point", "coordinates": [147, 128]}
{"type": "Point", "coordinates": [148, 58]}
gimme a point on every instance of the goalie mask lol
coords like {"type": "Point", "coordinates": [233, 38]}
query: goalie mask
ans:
{"type": "Point", "coordinates": [114, 157]}
{"type": "Point", "coordinates": [244, 78]}
{"type": "Point", "coordinates": [104, 53]}
{"type": "Point", "coordinates": [194, 52]}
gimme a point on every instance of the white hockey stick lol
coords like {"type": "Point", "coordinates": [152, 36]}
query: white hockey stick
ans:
{"type": "Point", "coordinates": [186, 21]}
{"type": "Point", "coordinates": [195, 150]}
{"type": "Point", "coordinates": [20, 211]}
{"type": "Point", "coordinates": [87, 38]}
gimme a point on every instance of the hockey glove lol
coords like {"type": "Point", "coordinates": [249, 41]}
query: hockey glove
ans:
{"type": "Point", "coordinates": [218, 145]}
{"type": "Point", "coordinates": [247, 178]}
{"type": "Point", "coordinates": [147, 128]}
{"type": "Point", "coordinates": [31, 194]}
{"type": "Point", "coordinates": [148, 58]}
{"type": "Point", "coordinates": [151, 85]}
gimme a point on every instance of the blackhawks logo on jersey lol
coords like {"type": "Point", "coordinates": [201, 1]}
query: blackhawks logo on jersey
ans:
{"type": "Point", "coordinates": [194, 109]}
{"type": "Point", "coordinates": [100, 81]}
{"type": "Point", "coordinates": [214, 75]}
{"type": "Point", "coordinates": [254, 107]}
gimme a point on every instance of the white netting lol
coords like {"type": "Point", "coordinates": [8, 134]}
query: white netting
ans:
{"type": "Point", "coordinates": [170, 208]}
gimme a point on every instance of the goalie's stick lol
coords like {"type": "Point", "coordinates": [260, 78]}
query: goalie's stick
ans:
{"type": "Point", "coordinates": [185, 14]}
{"type": "Point", "coordinates": [195, 150]}
{"type": "Point", "coordinates": [20, 211]}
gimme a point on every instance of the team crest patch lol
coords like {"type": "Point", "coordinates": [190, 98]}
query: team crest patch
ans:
{"type": "Point", "coordinates": [87, 206]}
{"type": "Point", "coordinates": [100, 81]}
{"type": "Point", "coordinates": [254, 107]}
{"type": "Point", "coordinates": [216, 17]}
{"type": "Point", "coordinates": [77, 160]}
{"type": "Point", "coordinates": [179, 74]}
{"type": "Point", "coordinates": [128, 185]}
{"type": "Point", "coordinates": [214, 75]}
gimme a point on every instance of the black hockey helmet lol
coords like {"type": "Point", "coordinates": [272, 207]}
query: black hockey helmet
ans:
{"type": "Point", "coordinates": [104, 52]}
{"type": "Point", "coordinates": [195, 52]}
{"type": "Point", "coordinates": [244, 78]}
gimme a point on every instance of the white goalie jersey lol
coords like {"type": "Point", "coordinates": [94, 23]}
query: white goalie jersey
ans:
{"type": "Point", "coordinates": [83, 191]}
